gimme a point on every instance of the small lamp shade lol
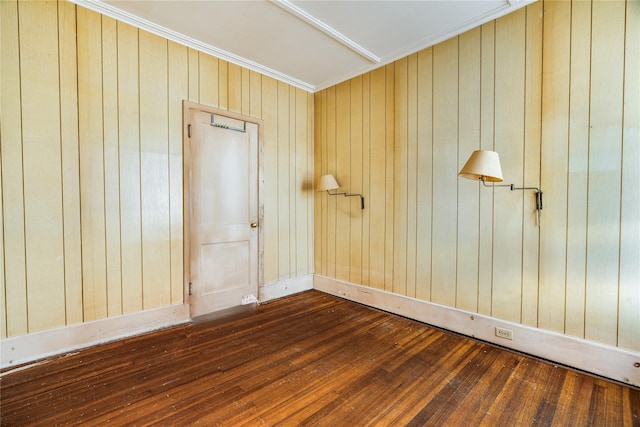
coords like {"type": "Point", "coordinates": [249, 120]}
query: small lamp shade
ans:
{"type": "Point", "coordinates": [482, 165]}
{"type": "Point", "coordinates": [326, 183]}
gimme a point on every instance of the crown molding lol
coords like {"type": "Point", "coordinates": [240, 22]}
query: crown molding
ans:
{"type": "Point", "coordinates": [507, 7]}
{"type": "Point", "coordinates": [143, 24]}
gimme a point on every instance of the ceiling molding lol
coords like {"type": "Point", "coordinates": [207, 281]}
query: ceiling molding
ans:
{"type": "Point", "coordinates": [326, 29]}
{"type": "Point", "coordinates": [143, 24]}
{"type": "Point", "coordinates": [456, 30]}
{"type": "Point", "coordinates": [315, 25]}
{"type": "Point", "coordinates": [506, 8]}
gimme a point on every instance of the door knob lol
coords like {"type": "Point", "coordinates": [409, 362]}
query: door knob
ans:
{"type": "Point", "coordinates": [254, 225]}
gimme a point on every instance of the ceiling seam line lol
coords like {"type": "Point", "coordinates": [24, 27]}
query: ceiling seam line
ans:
{"type": "Point", "coordinates": [326, 29]}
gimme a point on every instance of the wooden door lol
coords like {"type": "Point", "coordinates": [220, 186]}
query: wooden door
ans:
{"type": "Point", "coordinates": [224, 220]}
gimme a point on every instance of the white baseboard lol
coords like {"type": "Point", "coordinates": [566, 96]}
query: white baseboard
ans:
{"type": "Point", "coordinates": [606, 361]}
{"type": "Point", "coordinates": [286, 287]}
{"type": "Point", "coordinates": [27, 348]}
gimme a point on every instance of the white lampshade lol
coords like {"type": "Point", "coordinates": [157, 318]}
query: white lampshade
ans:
{"type": "Point", "coordinates": [327, 182]}
{"type": "Point", "coordinates": [482, 165]}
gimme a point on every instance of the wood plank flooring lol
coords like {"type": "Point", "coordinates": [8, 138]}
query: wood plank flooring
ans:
{"type": "Point", "coordinates": [309, 359]}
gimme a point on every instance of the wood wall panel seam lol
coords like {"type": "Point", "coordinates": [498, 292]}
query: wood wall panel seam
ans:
{"type": "Point", "coordinates": [104, 74]}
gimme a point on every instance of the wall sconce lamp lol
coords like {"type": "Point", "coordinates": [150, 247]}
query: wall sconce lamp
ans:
{"type": "Point", "coordinates": [328, 183]}
{"type": "Point", "coordinates": [484, 165]}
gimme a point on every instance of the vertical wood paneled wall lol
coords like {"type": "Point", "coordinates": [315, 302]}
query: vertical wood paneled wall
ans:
{"type": "Point", "coordinates": [91, 143]}
{"type": "Point", "coordinates": [554, 89]}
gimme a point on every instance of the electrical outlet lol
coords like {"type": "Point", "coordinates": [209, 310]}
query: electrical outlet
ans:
{"type": "Point", "coordinates": [249, 299]}
{"type": "Point", "coordinates": [504, 333]}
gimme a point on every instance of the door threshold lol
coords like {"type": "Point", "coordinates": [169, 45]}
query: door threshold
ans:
{"type": "Point", "coordinates": [227, 312]}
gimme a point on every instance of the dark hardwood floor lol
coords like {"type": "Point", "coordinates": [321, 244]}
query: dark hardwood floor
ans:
{"type": "Point", "coordinates": [309, 359]}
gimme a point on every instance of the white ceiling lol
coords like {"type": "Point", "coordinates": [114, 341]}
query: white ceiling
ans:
{"type": "Point", "coordinates": [311, 44]}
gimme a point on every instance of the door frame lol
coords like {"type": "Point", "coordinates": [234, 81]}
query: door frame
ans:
{"type": "Point", "coordinates": [187, 107]}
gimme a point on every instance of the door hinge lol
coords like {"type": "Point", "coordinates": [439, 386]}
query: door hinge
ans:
{"type": "Point", "coordinates": [189, 131]}
{"type": "Point", "coordinates": [190, 288]}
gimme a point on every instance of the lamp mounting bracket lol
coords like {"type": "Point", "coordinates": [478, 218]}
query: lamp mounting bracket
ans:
{"type": "Point", "coordinates": [512, 187]}
{"type": "Point", "coordinates": [349, 195]}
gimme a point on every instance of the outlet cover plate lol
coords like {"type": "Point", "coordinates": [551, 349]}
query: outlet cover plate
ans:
{"type": "Point", "coordinates": [249, 299]}
{"type": "Point", "coordinates": [504, 333]}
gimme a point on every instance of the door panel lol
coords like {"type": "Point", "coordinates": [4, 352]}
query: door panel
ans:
{"type": "Point", "coordinates": [224, 212]}
{"type": "Point", "coordinates": [224, 266]}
